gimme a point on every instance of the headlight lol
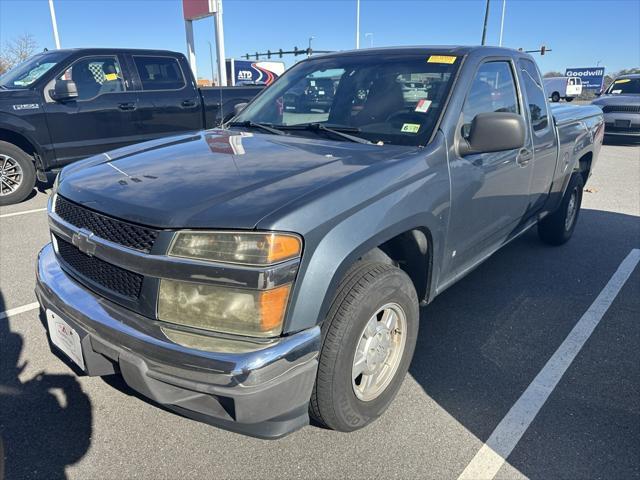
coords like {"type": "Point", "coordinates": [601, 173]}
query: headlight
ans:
{"type": "Point", "coordinates": [247, 248]}
{"type": "Point", "coordinates": [223, 309]}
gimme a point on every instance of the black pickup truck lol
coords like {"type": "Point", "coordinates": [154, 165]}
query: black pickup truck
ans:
{"type": "Point", "coordinates": [64, 105]}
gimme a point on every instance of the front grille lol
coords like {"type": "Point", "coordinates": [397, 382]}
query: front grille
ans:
{"type": "Point", "coordinates": [117, 231]}
{"type": "Point", "coordinates": [109, 276]}
{"type": "Point", "coordinates": [621, 108]}
{"type": "Point", "coordinates": [631, 130]}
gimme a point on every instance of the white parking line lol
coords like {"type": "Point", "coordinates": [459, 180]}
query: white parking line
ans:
{"type": "Point", "coordinates": [5, 215]}
{"type": "Point", "coordinates": [505, 437]}
{"type": "Point", "coordinates": [17, 310]}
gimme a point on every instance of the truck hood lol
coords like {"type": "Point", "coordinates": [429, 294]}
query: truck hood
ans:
{"type": "Point", "coordinates": [617, 100]}
{"type": "Point", "coordinates": [214, 179]}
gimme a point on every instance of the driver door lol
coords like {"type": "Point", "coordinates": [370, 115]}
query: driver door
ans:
{"type": "Point", "coordinates": [490, 191]}
{"type": "Point", "coordinates": [102, 117]}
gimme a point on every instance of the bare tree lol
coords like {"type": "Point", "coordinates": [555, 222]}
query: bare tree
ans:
{"type": "Point", "coordinates": [16, 51]}
{"type": "Point", "coordinates": [553, 74]}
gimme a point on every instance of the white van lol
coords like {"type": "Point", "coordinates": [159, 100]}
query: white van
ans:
{"type": "Point", "coordinates": [562, 87]}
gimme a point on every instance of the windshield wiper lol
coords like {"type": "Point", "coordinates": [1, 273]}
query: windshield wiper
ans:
{"type": "Point", "coordinates": [339, 131]}
{"type": "Point", "coordinates": [262, 126]}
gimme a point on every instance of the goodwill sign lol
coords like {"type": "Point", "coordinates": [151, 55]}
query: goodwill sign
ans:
{"type": "Point", "coordinates": [592, 77]}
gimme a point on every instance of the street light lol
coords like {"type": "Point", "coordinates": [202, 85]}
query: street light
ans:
{"type": "Point", "coordinates": [54, 23]}
{"type": "Point", "coordinates": [357, 24]}
{"type": "Point", "coordinates": [370, 37]}
{"type": "Point", "coordinates": [309, 50]}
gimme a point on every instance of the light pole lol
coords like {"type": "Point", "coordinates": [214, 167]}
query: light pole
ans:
{"type": "Point", "coordinates": [370, 37]}
{"type": "Point", "coordinates": [309, 50]}
{"type": "Point", "coordinates": [504, 7]}
{"type": "Point", "coordinates": [357, 24]}
{"type": "Point", "coordinates": [54, 23]}
{"type": "Point", "coordinates": [211, 60]}
{"type": "Point", "coordinates": [484, 28]}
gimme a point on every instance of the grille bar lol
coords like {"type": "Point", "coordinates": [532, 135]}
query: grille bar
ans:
{"type": "Point", "coordinates": [109, 276]}
{"type": "Point", "coordinates": [117, 231]}
{"type": "Point", "coordinates": [621, 108]}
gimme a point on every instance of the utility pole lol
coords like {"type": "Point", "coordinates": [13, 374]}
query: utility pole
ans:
{"type": "Point", "coordinates": [54, 23]}
{"type": "Point", "coordinates": [211, 60]}
{"type": "Point", "coordinates": [504, 7]}
{"type": "Point", "coordinates": [484, 28]}
{"type": "Point", "coordinates": [370, 37]}
{"type": "Point", "coordinates": [222, 67]}
{"type": "Point", "coordinates": [357, 24]}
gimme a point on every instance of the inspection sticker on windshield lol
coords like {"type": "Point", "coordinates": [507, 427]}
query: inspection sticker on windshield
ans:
{"type": "Point", "coordinates": [442, 59]}
{"type": "Point", "coordinates": [623, 80]}
{"type": "Point", "coordinates": [423, 106]}
{"type": "Point", "coordinates": [410, 127]}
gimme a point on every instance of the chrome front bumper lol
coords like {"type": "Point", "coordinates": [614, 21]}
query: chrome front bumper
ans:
{"type": "Point", "coordinates": [263, 391]}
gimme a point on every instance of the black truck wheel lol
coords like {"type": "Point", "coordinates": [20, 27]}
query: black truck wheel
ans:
{"type": "Point", "coordinates": [369, 337]}
{"type": "Point", "coordinates": [555, 97]}
{"type": "Point", "coordinates": [557, 228]}
{"type": "Point", "coordinates": [17, 174]}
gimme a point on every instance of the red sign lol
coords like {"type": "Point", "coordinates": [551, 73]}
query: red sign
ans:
{"type": "Point", "coordinates": [196, 9]}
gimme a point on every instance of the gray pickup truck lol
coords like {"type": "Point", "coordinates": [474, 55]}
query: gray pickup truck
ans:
{"type": "Point", "coordinates": [269, 272]}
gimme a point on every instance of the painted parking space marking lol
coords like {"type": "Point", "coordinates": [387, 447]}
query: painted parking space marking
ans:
{"type": "Point", "coordinates": [493, 454]}
{"type": "Point", "coordinates": [13, 214]}
{"type": "Point", "coordinates": [18, 310]}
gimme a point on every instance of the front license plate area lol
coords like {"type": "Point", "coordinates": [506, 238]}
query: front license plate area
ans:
{"type": "Point", "coordinates": [65, 338]}
{"type": "Point", "coordinates": [623, 123]}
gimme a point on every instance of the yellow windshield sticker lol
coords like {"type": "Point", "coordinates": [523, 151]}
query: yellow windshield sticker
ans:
{"type": "Point", "coordinates": [111, 76]}
{"type": "Point", "coordinates": [441, 59]}
{"type": "Point", "coordinates": [623, 80]}
{"type": "Point", "coordinates": [410, 127]}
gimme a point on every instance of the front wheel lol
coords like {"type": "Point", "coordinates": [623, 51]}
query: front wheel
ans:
{"type": "Point", "coordinates": [557, 228]}
{"type": "Point", "coordinates": [17, 174]}
{"type": "Point", "coordinates": [369, 337]}
{"type": "Point", "coordinates": [568, 99]}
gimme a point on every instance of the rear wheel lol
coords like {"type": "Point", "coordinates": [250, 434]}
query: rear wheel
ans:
{"type": "Point", "coordinates": [17, 174]}
{"type": "Point", "coordinates": [369, 337]}
{"type": "Point", "coordinates": [555, 97]}
{"type": "Point", "coordinates": [557, 228]}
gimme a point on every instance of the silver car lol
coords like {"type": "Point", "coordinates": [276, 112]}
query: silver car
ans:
{"type": "Point", "coordinates": [620, 103]}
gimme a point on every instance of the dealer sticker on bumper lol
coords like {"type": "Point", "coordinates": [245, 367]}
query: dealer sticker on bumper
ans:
{"type": "Point", "coordinates": [65, 338]}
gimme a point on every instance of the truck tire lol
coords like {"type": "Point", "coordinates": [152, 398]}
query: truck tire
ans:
{"type": "Point", "coordinates": [568, 99]}
{"type": "Point", "coordinates": [557, 228]}
{"type": "Point", "coordinates": [17, 174]}
{"type": "Point", "coordinates": [369, 337]}
{"type": "Point", "coordinates": [555, 97]}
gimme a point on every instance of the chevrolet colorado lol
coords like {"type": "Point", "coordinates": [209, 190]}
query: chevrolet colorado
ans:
{"type": "Point", "coordinates": [63, 105]}
{"type": "Point", "coordinates": [256, 275]}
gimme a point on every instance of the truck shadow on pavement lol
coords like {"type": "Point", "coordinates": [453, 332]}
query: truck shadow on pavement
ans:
{"type": "Point", "coordinates": [45, 421]}
{"type": "Point", "coordinates": [484, 340]}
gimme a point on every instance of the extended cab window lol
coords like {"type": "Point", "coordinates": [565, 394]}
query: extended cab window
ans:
{"type": "Point", "coordinates": [536, 98]}
{"type": "Point", "coordinates": [493, 90]}
{"type": "Point", "coordinates": [159, 73]}
{"type": "Point", "coordinates": [95, 76]}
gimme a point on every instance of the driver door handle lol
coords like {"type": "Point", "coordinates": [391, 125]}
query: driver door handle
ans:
{"type": "Point", "coordinates": [188, 103]}
{"type": "Point", "coordinates": [524, 157]}
{"type": "Point", "coordinates": [127, 107]}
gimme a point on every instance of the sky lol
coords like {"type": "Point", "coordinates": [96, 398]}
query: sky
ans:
{"type": "Point", "coordinates": [581, 33]}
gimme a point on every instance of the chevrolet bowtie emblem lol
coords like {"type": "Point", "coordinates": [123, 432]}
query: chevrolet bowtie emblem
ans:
{"type": "Point", "coordinates": [82, 240]}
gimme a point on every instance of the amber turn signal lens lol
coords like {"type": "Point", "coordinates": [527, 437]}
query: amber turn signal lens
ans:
{"type": "Point", "coordinates": [273, 304]}
{"type": "Point", "coordinates": [283, 247]}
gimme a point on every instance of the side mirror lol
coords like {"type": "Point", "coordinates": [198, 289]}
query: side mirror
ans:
{"type": "Point", "coordinates": [64, 90]}
{"type": "Point", "coordinates": [494, 132]}
{"type": "Point", "coordinates": [598, 93]}
{"type": "Point", "coordinates": [238, 107]}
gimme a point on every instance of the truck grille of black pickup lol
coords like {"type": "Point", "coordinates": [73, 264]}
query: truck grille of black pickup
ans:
{"type": "Point", "coordinates": [109, 276]}
{"type": "Point", "coordinates": [621, 108]}
{"type": "Point", "coordinates": [117, 231]}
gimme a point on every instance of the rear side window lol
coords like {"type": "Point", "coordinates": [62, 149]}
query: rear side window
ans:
{"type": "Point", "coordinates": [536, 98]}
{"type": "Point", "coordinates": [159, 73]}
{"type": "Point", "coordinates": [493, 90]}
{"type": "Point", "coordinates": [95, 76]}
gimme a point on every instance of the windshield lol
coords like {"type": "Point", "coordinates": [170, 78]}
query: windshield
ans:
{"type": "Point", "coordinates": [393, 98]}
{"type": "Point", "coordinates": [624, 86]}
{"type": "Point", "coordinates": [27, 72]}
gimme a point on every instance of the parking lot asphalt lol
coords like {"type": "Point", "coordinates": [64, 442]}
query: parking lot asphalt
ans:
{"type": "Point", "coordinates": [481, 344]}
